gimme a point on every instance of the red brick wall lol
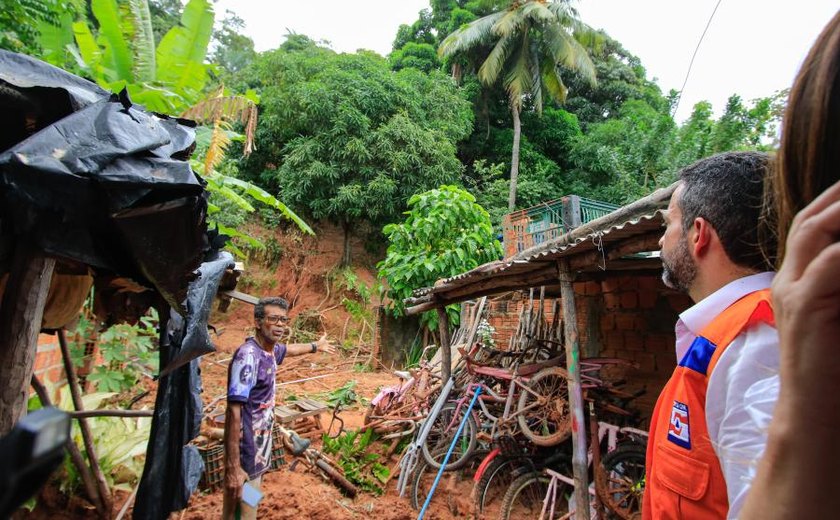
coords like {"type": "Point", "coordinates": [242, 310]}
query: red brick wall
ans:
{"type": "Point", "coordinates": [629, 317]}
{"type": "Point", "coordinates": [48, 365]}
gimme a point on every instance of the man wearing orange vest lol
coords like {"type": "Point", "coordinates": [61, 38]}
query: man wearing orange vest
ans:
{"type": "Point", "coordinates": [709, 426]}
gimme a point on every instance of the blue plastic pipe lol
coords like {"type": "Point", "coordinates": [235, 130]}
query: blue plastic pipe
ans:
{"type": "Point", "coordinates": [449, 453]}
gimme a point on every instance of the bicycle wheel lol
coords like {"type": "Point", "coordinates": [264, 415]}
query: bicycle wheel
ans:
{"type": "Point", "coordinates": [335, 475]}
{"type": "Point", "coordinates": [524, 498]}
{"type": "Point", "coordinates": [620, 481]}
{"type": "Point", "coordinates": [489, 490]}
{"type": "Point", "coordinates": [442, 434]}
{"type": "Point", "coordinates": [545, 418]}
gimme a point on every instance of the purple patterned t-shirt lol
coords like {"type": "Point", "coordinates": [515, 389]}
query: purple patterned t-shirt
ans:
{"type": "Point", "coordinates": [251, 382]}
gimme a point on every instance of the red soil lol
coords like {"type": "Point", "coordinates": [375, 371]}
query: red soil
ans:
{"type": "Point", "coordinates": [301, 277]}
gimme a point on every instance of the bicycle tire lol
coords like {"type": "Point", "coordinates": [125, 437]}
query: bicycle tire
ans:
{"type": "Point", "coordinates": [421, 481]}
{"type": "Point", "coordinates": [416, 486]}
{"type": "Point", "coordinates": [492, 485]}
{"type": "Point", "coordinates": [550, 424]}
{"type": "Point", "coordinates": [337, 478]}
{"type": "Point", "coordinates": [524, 497]}
{"type": "Point", "coordinates": [620, 481]}
{"type": "Point", "coordinates": [438, 441]}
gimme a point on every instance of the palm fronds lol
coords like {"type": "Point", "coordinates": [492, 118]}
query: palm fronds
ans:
{"type": "Point", "coordinates": [227, 108]}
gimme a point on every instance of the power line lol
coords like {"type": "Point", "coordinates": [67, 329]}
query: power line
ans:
{"type": "Point", "coordinates": [697, 48]}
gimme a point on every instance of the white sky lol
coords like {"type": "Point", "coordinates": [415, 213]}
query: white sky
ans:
{"type": "Point", "coordinates": [752, 48]}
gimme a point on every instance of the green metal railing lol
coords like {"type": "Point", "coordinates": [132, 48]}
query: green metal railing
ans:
{"type": "Point", "coordinates": [528, 227]}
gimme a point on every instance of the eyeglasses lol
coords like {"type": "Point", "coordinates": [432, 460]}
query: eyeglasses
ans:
{"type": "Point", "coordinates": [274, 320]}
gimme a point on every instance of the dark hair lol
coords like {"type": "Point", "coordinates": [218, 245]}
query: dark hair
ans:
{"type": "Point", "coordinates": [259, 308]}
{"type": "Point", "coordinates": [727, 190]}
{"type": "Point", "coordinates": [809, 154]}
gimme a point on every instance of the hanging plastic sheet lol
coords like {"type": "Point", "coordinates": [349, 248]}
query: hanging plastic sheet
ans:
{"type": "Point", "coordinates": [89, 177]}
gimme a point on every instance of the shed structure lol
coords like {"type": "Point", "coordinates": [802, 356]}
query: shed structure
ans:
{"type": "Point", "coordinates": [607, 275]}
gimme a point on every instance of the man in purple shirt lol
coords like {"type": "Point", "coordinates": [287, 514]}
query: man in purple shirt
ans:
{"type": "Point", "coordinates": [250, 401]}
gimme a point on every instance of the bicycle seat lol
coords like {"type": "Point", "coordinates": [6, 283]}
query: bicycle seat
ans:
{"type": "Point", "coordinates": [299, 445]}
{"type": "Point", "coordinates": [402, 374]}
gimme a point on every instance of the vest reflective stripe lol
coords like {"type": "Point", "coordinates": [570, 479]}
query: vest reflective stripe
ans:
{"type": "Point", "coordinates": [684, 479]}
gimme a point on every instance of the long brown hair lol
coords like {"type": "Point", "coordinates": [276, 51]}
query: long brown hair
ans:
{"type": "Point", "coordinates": [808, 161]}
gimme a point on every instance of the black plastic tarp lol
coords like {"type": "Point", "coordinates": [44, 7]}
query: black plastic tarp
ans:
{"type": "Point", "coordinates": [96, 181]}
{"type": "Point", "coordinates": [105, 184]}
{"type": "Point", "coordinates": [173, 467]}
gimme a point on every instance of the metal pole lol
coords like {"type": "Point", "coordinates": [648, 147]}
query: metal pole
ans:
{"type": "Point", "coordinates": [579, 459]}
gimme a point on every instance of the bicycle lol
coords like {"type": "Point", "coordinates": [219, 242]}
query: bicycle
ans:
{"type": "Point", "coordinates": [618, 482]}
{"type": "Point", "coordinates": [505, 464]}
{"type": "Point", "coordinates": [536, 415]}
{"type": "Point", "coordinates": [315, 461]}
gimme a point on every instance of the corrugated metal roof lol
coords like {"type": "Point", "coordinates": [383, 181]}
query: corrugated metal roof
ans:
{"type": "Point", "coordinates": [642, 218]}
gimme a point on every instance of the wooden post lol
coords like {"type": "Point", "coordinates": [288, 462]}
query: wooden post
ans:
{"type": "Point", "coordinates": [21, 315]}
{"type": "Point", "coordinates": [579, 458]}
{"type": "Point", "coordinates": [75, 453]}
{"type": "Point", "coordinates": [445, 347]}
{"type": "Point", "coordinates": [87, 438]}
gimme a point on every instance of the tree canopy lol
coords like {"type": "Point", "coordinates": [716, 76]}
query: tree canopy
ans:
{"type": "Point", "coordinates": [444, 233]}
{"type": "Point", "coordinates": [351, 140]}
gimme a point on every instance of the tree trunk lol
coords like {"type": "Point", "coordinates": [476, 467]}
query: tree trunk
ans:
{"type": "Point", "coordinates": [579, 441]}
{"type": "Point", "coordinates": [514, 157]}
{"type": "Point", "coordinates": [345, 257]}
{"type": "Point", "coordinates": [21, 315]}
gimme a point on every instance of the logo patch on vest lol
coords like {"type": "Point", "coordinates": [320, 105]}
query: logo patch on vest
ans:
{"type": "Point", "coordinates": [678, 432]}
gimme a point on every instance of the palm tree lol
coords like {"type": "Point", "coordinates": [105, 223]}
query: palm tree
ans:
{"type": "Point", "coordinates": [525, 44]}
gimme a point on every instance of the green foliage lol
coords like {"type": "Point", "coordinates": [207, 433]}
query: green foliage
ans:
{"type": "Point", "coordinates": [445, 233]}
{"type": "Point", "coordinates": [361, 467]}
{"type": "Point", "coordinates": [344, 396]}
{"type": "Point", "coordinates": [118, 51]}
{"type": "Point", "coordinates": [622, 159]}
{"type": "Point", "coordinates": [120, 444]}
{"type": "Point", "coordinates": [350, 139]}
{"type": "Point", "coordinates": [128, 351]}
{"type": "Point", "coordinates": [232, 50]}
{"type": "Point", "coordinates": [21, 22]}
{"type": "Point", "coordinates": [415, 354]}
{"type": "Point", "coordinates": [421, 56]}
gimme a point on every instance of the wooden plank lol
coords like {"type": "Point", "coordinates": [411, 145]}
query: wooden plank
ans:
{"type": "Point", "coordinates": [284, 412]}
{"type": "Point", "coordinates": [241, 296]}
{"type": "Point", "coordinates": [445, 347]}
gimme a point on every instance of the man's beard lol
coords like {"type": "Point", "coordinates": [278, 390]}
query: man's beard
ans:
{"type": "Point", "coordinates": [679, 269]}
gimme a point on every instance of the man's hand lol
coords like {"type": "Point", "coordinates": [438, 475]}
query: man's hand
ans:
{"type": "Point", "coordinates": [325, 346]}
{"type": "Point", "coordinates": [235, 477]}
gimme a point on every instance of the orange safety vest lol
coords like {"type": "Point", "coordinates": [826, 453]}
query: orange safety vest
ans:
{"type": "Point", "coordinates": [683, 477]}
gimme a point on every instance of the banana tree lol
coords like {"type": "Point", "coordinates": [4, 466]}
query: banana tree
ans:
{"type": "Point", "coordinates": [168, 79]}
{"type": "Point", "coordinates": [121, 53]}
{"type": "Point", "coordinates": [216, 112]}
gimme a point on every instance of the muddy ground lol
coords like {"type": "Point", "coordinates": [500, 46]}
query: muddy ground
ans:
{"type": "Point", "coordinates": [303, 272]}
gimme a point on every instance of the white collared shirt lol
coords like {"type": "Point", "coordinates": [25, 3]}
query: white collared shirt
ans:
{"type": "Point", "coordinates": [743, 387]}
